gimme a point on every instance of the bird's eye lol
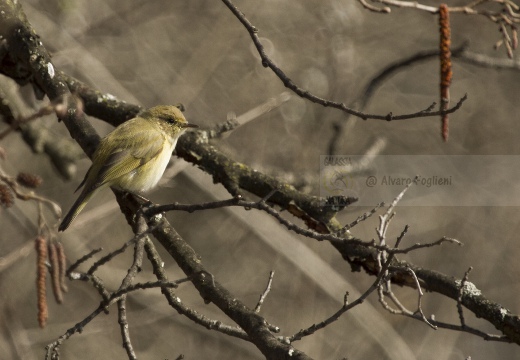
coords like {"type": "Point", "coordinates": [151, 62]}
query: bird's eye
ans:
{"type": "Point", "coordinates": [168, 119]}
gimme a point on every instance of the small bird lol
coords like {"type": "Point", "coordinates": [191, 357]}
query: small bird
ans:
{"type": "Point", "coordinates": [133, 156]}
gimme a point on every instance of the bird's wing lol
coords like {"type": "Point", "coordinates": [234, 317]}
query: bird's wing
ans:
{"type": "Point", "coordinates": [124, 160]}
{"type": "Point", "coordinates": [84, 179]}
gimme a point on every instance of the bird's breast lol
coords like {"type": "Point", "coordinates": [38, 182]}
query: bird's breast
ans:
{"type": "Point", "coordinates": [146, 176]}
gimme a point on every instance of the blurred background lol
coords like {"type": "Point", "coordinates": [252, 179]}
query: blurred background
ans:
{"type": "Point", "coordinates": [196, 52]}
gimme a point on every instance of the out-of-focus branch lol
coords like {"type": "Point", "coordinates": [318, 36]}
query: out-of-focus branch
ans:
{"type": "Point", "coordinates": [401, 64]}
{"type": "Point", "coordinates": [14, 186]}
{"type": "Point", "coordinates": [487, 61]}
{"type": "Point", "coordinates": [460, 53]}
{"type": "Point", "coordinates": [100, 105]}
{"type": "Point", "coordinates": [63, 152]}
{"type": "Point", "coordinates": [25, 59]}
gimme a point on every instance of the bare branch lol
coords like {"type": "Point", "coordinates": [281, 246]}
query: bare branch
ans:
{"type": "Point", "coordinates": [359, 219]}
{"type": "Point", "coordinates": [81, 260]}
{"type": "Point", "coordinates": [459, 297]}
{"type": "Point", "coordinates": [419, 299]}
{"type": "Point", "coordinates": [346, 306]}
{"type": "Point", "coordinates": [121, 250]}
{"type": "Point", "coordinates": [261, 205]}
{"type": "Point", "coordinates": [264, 294]}
{"type": "Point", "coordinates": [125, 331]}
{"type": "Point", "coordinates": [178, 305]}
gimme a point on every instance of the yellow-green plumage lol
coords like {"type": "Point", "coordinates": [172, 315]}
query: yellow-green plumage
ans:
{"type": "Point", "coordinates": [133, 156]}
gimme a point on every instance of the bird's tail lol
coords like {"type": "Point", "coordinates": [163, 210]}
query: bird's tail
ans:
{"type": "Point", "coordinates": [74, 211]}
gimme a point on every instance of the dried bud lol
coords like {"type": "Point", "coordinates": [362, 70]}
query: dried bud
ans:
{"type": "Point", "coordinates": [446, 69]}
{"type": "Point", "coordinates": [6, 196]}
{"type": "Point", "coordinates": [55, 272]}
{"type": "Point", "coordinates": [514, 37]}
{"type": "Point", "coordinates": [41, 276]}
{"type": "Point", "coordinates": [63, 266]}
{"type": "Point", "coordinates": [509, 49]}
{"type": "Point", "coordinates": [29, 180]}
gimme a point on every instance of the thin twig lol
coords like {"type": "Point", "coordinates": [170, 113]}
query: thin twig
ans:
{"type": "Point", "coordinates": [401, 236]}
{"type": "Point", "coordinates": [466, 329]}
{"type": "Point", "coordinates": [114, 253]}
{"type": "Point", "coordinates": [43, 111]}
{"type": "Point", "coordinates": [346, 306]}
{"type": "Point", "coordinates": [175, 302]}
{"type": "Point", "coordinates": [461, 294]}
{"type": "Point", "coordinates": [359, 219]}
{"type": "Point", "coordinates": [366, 5]}
{"type": "Point", "coordinates": [140, 238]}
{"type": "Point", "coordinates": [94, 280]}
{"type": "Point", "coordinates": [29, 195]}
{"type": "Point", "coordinates": [81, 260]}
{"type": "Point", "coordinates": [266, 291]}
{"type": "Point", "coordinates": [53, 348]}
{"type": "Point", "coordinates": [125, 331]}
{"type": "Point", "coordinates": [262, 206]}
{"type": "Point", "coordinates": [419, 299]}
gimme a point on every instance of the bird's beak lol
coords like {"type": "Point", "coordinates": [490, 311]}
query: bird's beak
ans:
{"type": "Point", "coordinates": [189, 126]}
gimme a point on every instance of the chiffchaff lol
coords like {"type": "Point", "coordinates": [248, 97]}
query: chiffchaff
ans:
{"type": "Point", "coordinates": [133, 156]}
